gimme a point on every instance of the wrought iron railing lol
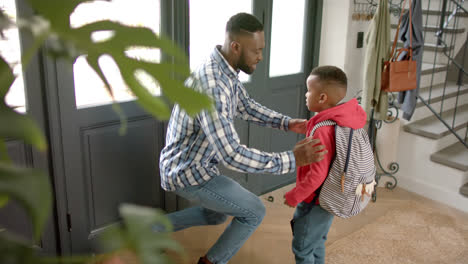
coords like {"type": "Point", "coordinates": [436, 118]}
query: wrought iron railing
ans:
{"type": "Point", "coordinates": [449, 20]}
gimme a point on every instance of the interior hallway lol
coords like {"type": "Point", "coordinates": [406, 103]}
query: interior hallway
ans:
{"type": "Point", "coordinates": [401, 227]}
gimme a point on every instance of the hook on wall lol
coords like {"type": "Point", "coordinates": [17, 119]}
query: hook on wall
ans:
{"type": "Point", "coordinates": [365, 9]}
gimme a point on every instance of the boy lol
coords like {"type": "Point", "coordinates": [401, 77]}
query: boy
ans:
{"type": "Point", "coordinates": [326, 87]}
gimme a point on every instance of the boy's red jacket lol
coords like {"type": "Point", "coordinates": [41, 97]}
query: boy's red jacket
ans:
{"type": "Point", "coordinates": [310, 177]}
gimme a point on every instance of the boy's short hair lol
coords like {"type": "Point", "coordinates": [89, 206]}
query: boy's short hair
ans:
{"type": "Point", "coordinates": [330, 74]}
{"type": "Point", "coordinates": [243, 22]}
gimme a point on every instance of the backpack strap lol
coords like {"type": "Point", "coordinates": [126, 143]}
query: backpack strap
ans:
{"type": "Point", "coordinates": [317, 126]}
{"type": "Point", "coordinates": [321, 124]}
{"type": "Point", "coordinates": [348, 152]}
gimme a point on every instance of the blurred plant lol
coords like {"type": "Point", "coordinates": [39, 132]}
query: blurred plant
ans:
{"type": "Point", "coordinates": [31, 188]}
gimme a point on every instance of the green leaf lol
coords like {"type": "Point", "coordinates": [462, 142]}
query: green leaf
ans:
{"type": "Point", "coordinates": [139, 221]}
{"type": "Point", "coordinates": [154, 105]}
{"type": "Point", "coordinates": [6, 79]}
{"type": "Point", "coordinates": [126, 37]}
{"type": "Point", "coordinates": [189, 99]}
{"type": "Point", "coordinates": [140, 218]}
{"type": "Point", "coordinates": [20, 127]}
{"type": "Point", "coordinates": [93, 62]}
{"type": "Point", "coordinates": [137, 234]}
{"type": "Point", "coordinates": [3, 200]}
{"type": "Point", "coordinates": [17, 126]}
{"type": "Point", "coordinates": [31, 189]}
{"type": "Point", "coordinates": [5, 22]}
{"type": "Point", "coordinates": [4, 152]}
{"type": "Point", "coordinates": [57, 11]}
{"type": "Point", "coordinates": [13, 250]}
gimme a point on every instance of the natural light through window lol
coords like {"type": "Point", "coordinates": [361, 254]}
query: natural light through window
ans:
{"type": "Point", "coordinates": [208, 26]}
{"type": "Point", "coordinates": [89, 89]}
{"type": "Point", "coordinates": [287, 37]}
{"type": "Point", "coordinates": [10, 50]}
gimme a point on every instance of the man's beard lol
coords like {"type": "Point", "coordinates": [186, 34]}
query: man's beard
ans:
{"type": "Point", "coordinates": [244, 67]}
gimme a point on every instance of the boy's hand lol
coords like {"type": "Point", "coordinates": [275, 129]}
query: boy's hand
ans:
{"type": "Point", "coordinates": [286, 203]}
{"type": "Point", "coordinates": [298, 126]}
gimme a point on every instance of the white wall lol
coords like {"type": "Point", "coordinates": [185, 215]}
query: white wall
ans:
{"type": "Point", "coordinates": [354, 58]}
{"type": "Point", "coordinates": [334, 32]}
{"type": "Point", "coordinates": [339, 40]}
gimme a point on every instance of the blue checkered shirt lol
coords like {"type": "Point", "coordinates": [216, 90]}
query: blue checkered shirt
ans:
{"type": "Point", "coordinates": [194, 146]}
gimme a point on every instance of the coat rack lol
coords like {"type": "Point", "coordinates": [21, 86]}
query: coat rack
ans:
{"type": "Point", "coordinates": [365, 9]}
{"type": "Point", "coordinates": [390, 169]}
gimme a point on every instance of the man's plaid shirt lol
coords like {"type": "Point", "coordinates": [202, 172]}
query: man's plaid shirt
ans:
{"type": "Point", "coordinates": [195, 145]}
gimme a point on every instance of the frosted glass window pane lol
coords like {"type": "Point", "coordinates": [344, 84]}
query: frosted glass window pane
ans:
{"type": "Point", "coordinates": [10, 50]}
{"type": "Point", "coordinates": [89, 89]}
{"type": "Point", "coordinates": [287, 37]}
{"type": "Point", "coordinates": [208, 20]}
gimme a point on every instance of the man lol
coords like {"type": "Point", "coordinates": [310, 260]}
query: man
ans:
{"type": "Point", "coordinates": [195, 145]}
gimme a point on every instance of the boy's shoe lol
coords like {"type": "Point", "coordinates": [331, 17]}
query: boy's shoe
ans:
{"type": "Point", "coordinates": [204, 260]}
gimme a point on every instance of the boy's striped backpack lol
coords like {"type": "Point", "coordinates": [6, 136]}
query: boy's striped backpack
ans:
{"type": "Point", "coordinates": [351, 178]}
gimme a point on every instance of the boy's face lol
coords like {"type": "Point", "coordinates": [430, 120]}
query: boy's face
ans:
{"type": "Point", "coordinates": [314, 95]}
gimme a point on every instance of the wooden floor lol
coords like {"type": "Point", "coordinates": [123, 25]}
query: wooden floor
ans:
{"type": "Point", "coordinates": [271, 242]}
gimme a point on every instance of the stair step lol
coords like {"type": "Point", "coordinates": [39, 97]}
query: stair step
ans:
{"type": "Point", "coordinates": [435, 47]}
{"type": "Point", "coordinates": [437, 93]}
{"type": "Point", "coordinates": [430, 28]}
{"type": "Point", "coordinates": [428, 46]}
{"type": "Point", "coordinates": [428, 68]}
{"type": "Point", "coordinates": [464, 190]}
{"type": "Point", "coordinates": [431, 127]}
{"type": "Point", "coordinates": [455, 156]}
{"type": "Point", "coordinates": [447, 13]}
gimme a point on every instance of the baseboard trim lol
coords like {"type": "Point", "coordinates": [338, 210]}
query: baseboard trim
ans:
{"type": "Point", "coordinates": [455, 200]}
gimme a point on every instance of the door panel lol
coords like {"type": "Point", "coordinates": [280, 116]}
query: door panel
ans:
{"type": "Point", "coordinates": [99, 168]}
{"type": "Point", "coordinates": [103, 169]}
{"type": "Point", "coordinates": [286, 102]}
{"type": "Point", "coordinates": [109, 161]}
{"type": "Point", "coordinates": [286, 99]}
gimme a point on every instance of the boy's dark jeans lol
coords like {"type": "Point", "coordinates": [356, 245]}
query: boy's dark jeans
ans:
{"type": "Point", "coordinates": [310, 227]}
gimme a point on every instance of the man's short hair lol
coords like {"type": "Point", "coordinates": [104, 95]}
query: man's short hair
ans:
{"type": "Point", "coordinates": [329, 74]}
{"type": "Point", "coordinates": [243, 22]}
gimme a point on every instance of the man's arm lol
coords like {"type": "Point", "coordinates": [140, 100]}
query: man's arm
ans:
{"type": "Point", "coordinates": [250, 110]}
{"type": "Point", "coordinates": [221, 134]}
{"type": "Point", "coordinates": [315, 173]}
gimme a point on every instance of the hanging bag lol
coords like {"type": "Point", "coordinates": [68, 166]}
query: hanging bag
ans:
{"type": "Point", "coordinates": [400, 75]}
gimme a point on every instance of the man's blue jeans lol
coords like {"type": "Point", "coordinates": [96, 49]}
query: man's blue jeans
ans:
{"type": "Point", "coordinates": [218, 198]}
{"type": "Point", "coordinates": [310, 227]}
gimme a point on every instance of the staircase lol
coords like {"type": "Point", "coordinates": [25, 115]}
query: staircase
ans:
{"type": "Point", "coordinates": [433, 161]}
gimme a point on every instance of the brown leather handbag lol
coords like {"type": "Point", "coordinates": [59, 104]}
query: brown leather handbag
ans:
{"type": "Point", "coordinates": [400, 75]}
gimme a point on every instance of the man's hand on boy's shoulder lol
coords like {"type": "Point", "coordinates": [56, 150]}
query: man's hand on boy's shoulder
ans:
{"type": "Point", "coordinates": [298, 126]}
